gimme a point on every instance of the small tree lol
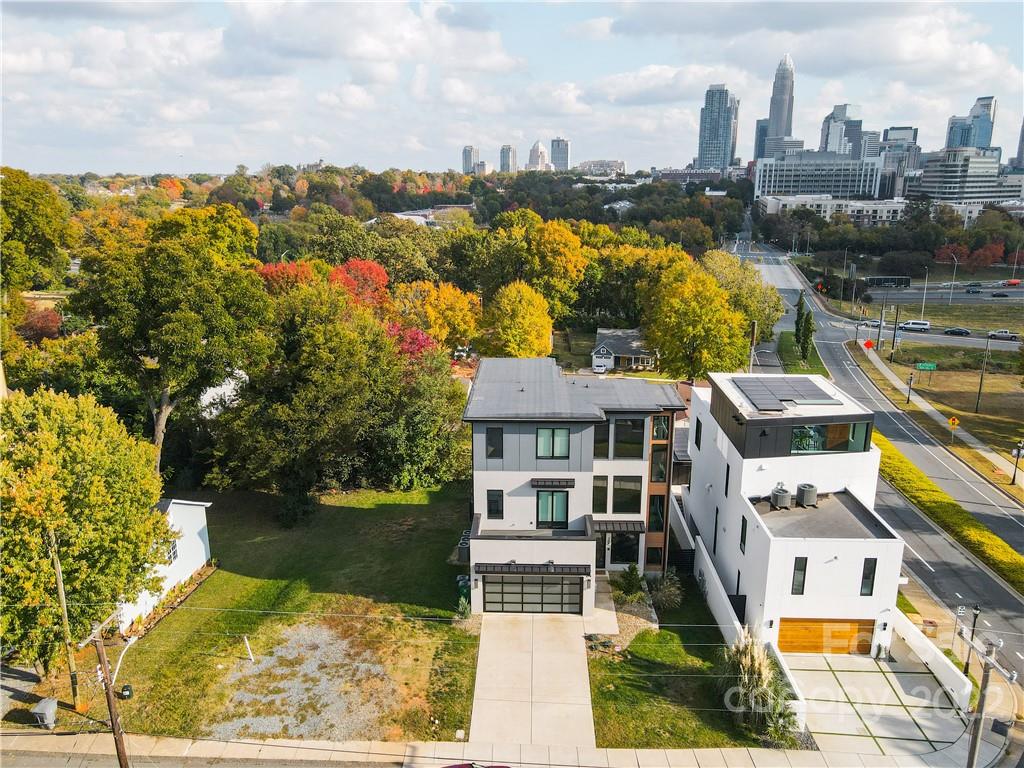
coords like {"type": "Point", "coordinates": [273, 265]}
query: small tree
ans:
{"type": "Point", "coordinates": [801, 310]}
{"type": "Point", "coordinates": [806, 335]}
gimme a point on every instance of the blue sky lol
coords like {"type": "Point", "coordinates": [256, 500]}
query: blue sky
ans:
{"type": "Point", "coordinates": [181, 87]}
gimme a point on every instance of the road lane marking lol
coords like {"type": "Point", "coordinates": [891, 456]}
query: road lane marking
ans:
{"type": "Point", "coordinates": [985, 621]}
{"type": "Point", "coordinates": [1019, 656]}
{"type": "Point", "coordinates": [959, 595]}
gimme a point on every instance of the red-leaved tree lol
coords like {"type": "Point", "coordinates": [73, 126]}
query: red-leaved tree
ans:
{"type": "Point", "coordinates": [40, 324]}
{"type": "Point", "coordinates": [284, 276]}
{"type": "Point", "coordinates": [945, 253]}
{"type": "Point", "coordinates": [985, 256]}
{"type": "Point", "coordinates": [365, 280]}
{"type": "Point", "coordinates": [412, 342]}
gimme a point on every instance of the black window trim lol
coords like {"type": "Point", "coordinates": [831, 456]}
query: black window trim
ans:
{"type": "Point", "coordinates": [714, 540]}
{"type": "Point", "coordinates": [557, 526]}
{"type": "Point", "coordinates": [696, 433]}
{"type": "Point", "coordinates": [743, 534]}
{"type": "Point", "coordinates": [500, 446]}
{"type": "Point", "coordinates": [552, 430]}
{"type": "Point", "coordinates": [501, 504]}
{"type": "Point", "coordinates": [799, 567]}
{"type": "Point", "coordinates": [867, 576]}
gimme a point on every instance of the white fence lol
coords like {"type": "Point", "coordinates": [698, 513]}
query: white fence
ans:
{"type": "Point", "coordinates": [946, 672]}
{"type": "Point", "coordinates": [714, 593]}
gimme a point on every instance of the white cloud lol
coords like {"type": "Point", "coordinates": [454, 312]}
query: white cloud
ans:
{"type": "Point", "coordinates": [184, 111]}
{"type": "Point", "coordinates": [173, 139]}
{"type": "Point", "coordinates": [464, 94]}
{"type": "Point", "coordinates": [598, 28]}
{"type": "Point", "coordinates": [349, 97]}
{"type": "Point", "coordinates": [662, 83]}
{"type": "Point", "coordinates": [413, 144]}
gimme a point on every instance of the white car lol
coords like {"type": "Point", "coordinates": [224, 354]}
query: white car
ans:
{"type": "Point", "coordinates": [869, 323]}
{"type": "Point", "coordinates": [600, 368]}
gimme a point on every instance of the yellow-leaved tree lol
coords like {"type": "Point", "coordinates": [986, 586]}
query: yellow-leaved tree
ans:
{"type": "Point", "coordinates": [449, 315]}
{"type": "Point", "coordinates": [516, 323]}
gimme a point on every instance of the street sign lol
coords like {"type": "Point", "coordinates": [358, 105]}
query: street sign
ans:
{"type": "Point", "coordinates": [869, 344]}
{"type": "Point", "coordinates": [954, 422]}
{"type": "Point", "coordinates": [927, 366]}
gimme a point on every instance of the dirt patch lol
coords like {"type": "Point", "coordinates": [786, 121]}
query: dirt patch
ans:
{"type": "Point", "coordinates": [312, 685]}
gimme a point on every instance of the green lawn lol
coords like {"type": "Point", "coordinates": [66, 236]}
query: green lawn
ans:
{"type": "Point", "coordinates": [976, 317]}
{"type": "Point", "coordinates": [572, 347]}
{"type": "Point", "coordinates": [362, 560]}
{"type": "Point", "coordinates": [789, 354]}
{"type": "Point", "coordinates": [903, 604]}
{"type": "Point", "coordinates": [659, 692]}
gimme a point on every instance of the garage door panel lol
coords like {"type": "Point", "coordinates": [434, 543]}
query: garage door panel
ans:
{"type": "Point", "coordinates": [533, 594]}
{"type": "Point", "coordinates": [825, 635]}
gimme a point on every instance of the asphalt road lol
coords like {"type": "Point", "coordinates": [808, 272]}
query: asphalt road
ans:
{"type": "Point", "coordinates": [949, 573]}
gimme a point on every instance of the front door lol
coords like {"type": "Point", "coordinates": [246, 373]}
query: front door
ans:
{"type": "Point", "coordinates": [602, 543]}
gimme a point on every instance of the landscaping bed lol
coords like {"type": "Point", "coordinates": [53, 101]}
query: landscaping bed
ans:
{"type": "Point", "coordinates": [789, 354]}
{"type": "Point", "coordinates": [349, 616]}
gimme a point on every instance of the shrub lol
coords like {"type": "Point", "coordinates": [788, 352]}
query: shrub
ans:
{"type": "Point", "coordinates": [755, 690]}
{"type": "Point", "coordinates": [464, 609]}
{"type": "Point", "coordinates": [666, 592]}
{"type": "Point", "coordinates": [629, 582]}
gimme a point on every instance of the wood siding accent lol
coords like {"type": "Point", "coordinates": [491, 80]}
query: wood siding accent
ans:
{"type": "Point", "coordinates": [825, 635]}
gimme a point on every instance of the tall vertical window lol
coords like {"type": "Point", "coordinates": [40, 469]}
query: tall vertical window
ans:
{"type": "Point", "coordinates": [495, 505]}
{"type": "Point", "coordinates": [600, 494]}
{"type": "Point", "coordinates": [714, 538]}
{"type": "Point", "coordinates": [552, 443]}
{"type": "Point", "coordinates": [727, 479]}
{"type": "Point", "coordinates": [656, 514]}
{"type": "Point", "coordinates": [629, 438]}
{"type": "Point", "coordinates": [495, 442]}
{"type": "Point", "coordinates": [659, 428]}
{"type": "Point", "coordinates": [626, 496]}
{"type": "Point", "coordinates": [696, 433]}
{"type": "Point", "coordinates": [552, 509]}
{"type": "Point", "coordinates": [743, 534]}
{"type": "Point", "coordinates": [601, 441]}
{"type": "Point", "coordinates": [172, 555]}
{"type": "Point", "coordinates": [659, 463]}
{"type": "Point", "coordinates": [867, 577]}
{"type": "Point", "coordinates": [799, 576]}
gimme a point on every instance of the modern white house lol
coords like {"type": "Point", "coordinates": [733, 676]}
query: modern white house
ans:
{"type": "Point", "coordinates": [781, 493]}
{"type": "Point", "coordinates": [189, 552]}
{"type": "Point", "coordinates": [571, 477]}
{"type": "Point", "coordinates": [621, 348]}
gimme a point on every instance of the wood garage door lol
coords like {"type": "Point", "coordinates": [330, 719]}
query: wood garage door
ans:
{"type": "Point", "coordinates": [533, 594]}
{"type": "Point", "coordinates": [825, 635]}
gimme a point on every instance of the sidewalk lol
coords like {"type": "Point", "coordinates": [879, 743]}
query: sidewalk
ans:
{"type": "Point", "coordinates": [962, 434]}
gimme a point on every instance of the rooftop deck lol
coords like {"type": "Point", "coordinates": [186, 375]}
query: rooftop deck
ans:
{"type": "Point", "coordinates": [836, 516]}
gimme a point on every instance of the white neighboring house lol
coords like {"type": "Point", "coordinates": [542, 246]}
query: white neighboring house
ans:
{"type": "Point", "coordinates": [810, 578]}
{"type": "Point", "coordinates": [621, 348]}
{"type": "Point", "coordinates": [189, 553]}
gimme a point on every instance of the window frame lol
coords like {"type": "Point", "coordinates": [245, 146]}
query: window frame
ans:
{"type": "Point", "coordinates": [650, 514]}
{"type": "Point", "coordinates": [501, 504]}
{"type": "Point", "coordinates": [714, 539]}
{"type": "Point", "coordinates": [553, 431]}
{"type": "Point", "coordinates": [639, 493]}
{"type": "Point", "coordinates": [640, 444]}
{"type": "Point", "coordinates": [489, 447]}
{"type": "Point", "coordinates": [867, 576]}
{"type": "Point", "coordinates": [743, 534]}
{"type": "Point", "coordinates": [603, 429]}
{"type": "Point", "coordinates": [557, 525]}
{"type": "Point", "coordinates": [728, 469]}
{"type": "Point", "coordinates": [604, 490]}
{"type": "Point", "coordinates": [799, 567]}
{"type": "Point", "coordinates": [696, 433]}
{"type": "Point", "coordinates": [661, 449]}
{"type": "Point", "coordinates": [172, 551]}
{"type": "Point", "coordinates": [660, 419]}
{"type": "Point", "coordinates": [633, 537]}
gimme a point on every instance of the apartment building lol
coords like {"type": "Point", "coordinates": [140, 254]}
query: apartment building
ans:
{"type": "Point", "coordinates": [863, 213]}
{"type": "Point", "coordinates": [781, 494]}
{"type": "Point", "coordinates": [571, 477]}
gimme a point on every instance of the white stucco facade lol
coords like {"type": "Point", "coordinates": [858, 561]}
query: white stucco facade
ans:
{"type": "Point", "coordinates": [191, 552]}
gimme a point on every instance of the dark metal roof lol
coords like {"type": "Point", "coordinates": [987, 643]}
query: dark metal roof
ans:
{"type": "Point", "coordinates": [681, 443]}
{"type": "Point", "coordinates": [619, 526]}
{"type": "Point", "coordinates": [552, 482]}
{"type": "Point", "coordinates": [622, 341]}
{"type": "Point", "coordinates": [533, 569]}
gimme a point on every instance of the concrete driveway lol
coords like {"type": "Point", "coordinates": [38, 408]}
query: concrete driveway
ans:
{"type": "Point", "coordinates": [858, 704]}
{"type": "Point", "coordinates": [532, 682]}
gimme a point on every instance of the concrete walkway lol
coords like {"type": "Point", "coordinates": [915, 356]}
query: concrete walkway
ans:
{"type": "Point", "coordinates": [532, 682]}
{"type": "Point", "coordinates": [939, 418]}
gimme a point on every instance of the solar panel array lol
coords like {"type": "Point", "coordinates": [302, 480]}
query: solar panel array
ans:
{"type": "Point", "coordinates": [770, 393]}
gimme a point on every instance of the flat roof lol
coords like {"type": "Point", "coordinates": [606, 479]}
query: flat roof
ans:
{"type": "Point", "coordinates": [534, 389]}
{"type": "Point", "coordinates": [834, 403]}
{"type": "Point", "coordinates": [836, 516]}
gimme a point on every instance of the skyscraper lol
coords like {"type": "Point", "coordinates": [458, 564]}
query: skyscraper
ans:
{"type": "Point", "coordinates": [560, 154]}
{"type": "Point", "coordinates": [507, 163]}
{"type": "Point", "coordinates": [470, 157]}
{"type": "Point", "coordinates": [716, 146]}
{"type": "Point", "coordinates": [841, 131]}
{"type": "Point", "coordinates": [1018, 161]}
{"type": "Point", "coordinates": [780, 113]}
{"type": "Point", "coordinates": [538, 158]}
{"type": "Point", "coordinates": [760, 135]}
{"type": "Point", "coordinates": [870, 143]}
{"type": "Point", "coordinates": [975, 128]}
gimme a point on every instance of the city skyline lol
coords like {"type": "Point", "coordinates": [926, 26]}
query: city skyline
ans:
{"type": "Point", "coordinates": [182, 88]}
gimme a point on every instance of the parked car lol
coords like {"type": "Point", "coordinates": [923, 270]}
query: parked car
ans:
{"type": "Point", "coordinates": [973, 290]}
{"type": "Point", "coordinates": [869, 323]}
{"type": "Point", "coordinates": [1002, 335]}
{"type": "Point", "coordinates": [956, 331]}
{"type": "Point", "coordinates": [921, 326]}
{"type": "Point", "coordinates": [1000, 295]}
{"type": "Point", "coordinates": [973, 285]}
{"type": "Point", "coordinates": [600, 368]}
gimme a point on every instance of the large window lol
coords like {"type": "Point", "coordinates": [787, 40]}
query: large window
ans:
{"type": "Point", "coordinates": [799, 576]}
{"type": "Point", "coordinates": [656, 514]}
{"type": "Point", "coordinates": [696, 433]}
{"type": "Point", "coordinates": [495, 442]}
{"type": "Point", "coordinates": [495, 505]}
{"type": "Point", "coordinates": [600, 494]}
{"type": "Point", "coordinates": [629, 438]}
{"type": "Point", "coordinates": [552, 509]}
{"type": "Point", "coordinates": [552, 443]}
{"type": "Point", "coordinates": [625, 548]}
{"type": "Point", "coordinates": [659, 427]}
{"type": "Point", "coordinates": [653, 557]}
{"type": "Point", "coordinates": [743, 535]}
{"type": "Point", "coordinates": [601, 441]}
{"type": "Point", "coordinates": [867, 577]}
{"type": "Point", "coordinates": [626, 496]}
{"type": "Point", "coordinates": [830, 438]}
{"type": "Point", "coordinates": [659, 463]}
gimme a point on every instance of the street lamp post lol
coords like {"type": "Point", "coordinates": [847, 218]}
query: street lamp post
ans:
{"type": "Point", "coordinates": [910, 387]}
{"type": "Point", "coordinates": [974, 625]}
{"type": "Point", "coordinates": [842, 279]}
{"type": "Point", "coordinates": [1016, 460]}
{"type": "Point", "coordinates": [956, 262]}
{"type": "Point", "coordinates": [925, 296]}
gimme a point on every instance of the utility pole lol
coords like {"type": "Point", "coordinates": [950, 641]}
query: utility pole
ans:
{"type": "Point", "coordinates": [925, 296]}
{"type": "Point", "coordinates": [979, 715]}
{"type": "Point", "coordinates": [103, 670]}
{"type": "Point", "coordinates": [895, 330]}
{"type": "Point", "coordinates": [956, 263]}
{"type": "Point", "coordinates": [65, 625]}
{"type": "Point", "coordinates": [753, 345]}
{"type": "Point", "coordinates": [842, 279]}
{"type": "Point", "coordinates": [981, 381]}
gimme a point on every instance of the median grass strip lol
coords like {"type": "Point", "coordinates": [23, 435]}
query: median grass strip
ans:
{"type": "Point", "coordinates": [789, 354]}
{"type": "Point", "coordinates": [940, 507]}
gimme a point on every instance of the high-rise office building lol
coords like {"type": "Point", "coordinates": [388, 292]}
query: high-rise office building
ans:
{"type": "Point", "coordinates": [780, 113]}
{"type": "Point", "coordinates": [507, 162]}
{"type": "Point", "coordinates": [841, 131]}
{"type": "Point", "coordinates": [470, 157]}
{"type": "Point", "coordinates": [560, 154]}
{"type": "Point", "coordinates": [538, 158]}
{"type": "Point", "coordinates": [899, 148]}
{"type": "Point", "coordinates": [968, 174]}
{"type": "Point", "coordinates": [1018, 161]}
{"type": "Point", "coordinates": [817, 173]}
{"type": "Point", "coordinates": [716, 146]}
{"type": "Point", "coordinates": [482, 168]}
{"type": "Point", "coordinates": [975, 128]}
{"type": "Point", "coordinates": [870, 143]}
{"type": "Point", "coordinates": [776, 146]}
{"type": "Point", "coordinates": [760, 135]}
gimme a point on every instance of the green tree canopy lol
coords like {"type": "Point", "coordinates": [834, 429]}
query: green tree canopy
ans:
{"type": "Point", "coordinates": [759, 301]}
{"type": "Point", "coordinates": [35, 232]}
{"type": "Point", "coordinates": [71, 469]}
{"type": "Point", "coordinates": [516, 323]}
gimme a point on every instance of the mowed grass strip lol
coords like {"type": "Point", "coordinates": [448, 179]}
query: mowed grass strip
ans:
{"type": "Point", "coordinates": [940, 507]}
{"type": "Point", "coordinates": [660, 693]}
{"type": "Point", "coordinates": [789, 354]}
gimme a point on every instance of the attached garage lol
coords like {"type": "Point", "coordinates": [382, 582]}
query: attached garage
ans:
{"type": "Point", "coordinates": [825, 635]}
{"type": "Point", "coordinates": [533, 594]}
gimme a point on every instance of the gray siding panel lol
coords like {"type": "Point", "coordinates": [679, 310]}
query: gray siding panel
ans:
{"type": "Point", "coordinates": [520, 448]}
